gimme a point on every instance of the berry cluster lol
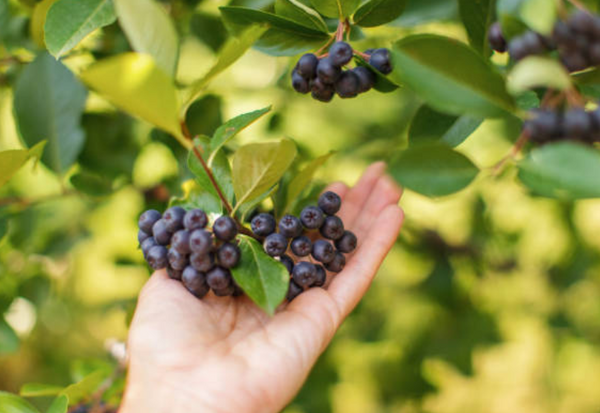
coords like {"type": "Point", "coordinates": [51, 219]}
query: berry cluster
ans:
{"type": "Point", "coordinates": [548, 125]}
{"type": "Point", "coordinates": [325, 77]}
{"type": "Point", "coordinates": [201, 259]}
{"type": "Point", "coordinates": [577, 41]}
{"type": "Point", "coordinates": [293, 233]}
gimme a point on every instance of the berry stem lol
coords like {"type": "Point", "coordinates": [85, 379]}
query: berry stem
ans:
{"type": "Point", "coordinates": [579, 5]}
{"type": "Point", "coordinates": [198, 153]}
{"type": "Point", "coordinates": [364, 56]}
{"type": "Point", "coordinates": [519, 144]}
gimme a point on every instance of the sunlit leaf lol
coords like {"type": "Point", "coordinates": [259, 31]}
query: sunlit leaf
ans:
{"type": "Point", "coordinates": [536, 71]}
{"type": "Point", "coordinates": [134, 83]}
{"type": "Point", "coordinates": [10, 403]}
{"type": "Point", "coordinates": [302, 180]}
{"type": "Point", "coordinates": [300, 13]}
{"type": "Point", "coordinates": [59, 405]}
{"type": "Point", "coordinates": [219, 167]}
{"type": "Point", "coordinates": [335, 8]}
{"type": "Point", "coordinates": [9, 342]}
{"type": "Point", "coordinates": [38, 19]}
{"type": "Point", "coordinates": [429, 126]}
{"type": "Point", "coordinates": [150, 31]}
{"type": "Point", "coordinates": [69, 21]}
{"type": "Point", "coordinates": [40, 390]}
{"type": "Point", "coordinates": [257, 167]}
{"type": "Point", "coordinates": [262, 278]}
{"type": "Point", "coordinates": [85, 387]}
{"type": "Point", "coordinates": [477, 16]}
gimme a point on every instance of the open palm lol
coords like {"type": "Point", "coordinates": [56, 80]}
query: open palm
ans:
{"type": "Point", "coordinates": [225, 354]}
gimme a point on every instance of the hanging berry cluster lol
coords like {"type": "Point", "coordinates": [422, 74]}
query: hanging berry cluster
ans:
{"type": "Point", "coordinates": [325, 77]}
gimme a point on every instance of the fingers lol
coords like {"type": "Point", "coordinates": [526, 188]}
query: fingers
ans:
{"type": "Point", "coordinates": [385, 193]}
{"type": "Point", "coordinates": [348, 287]}
{"type": "Point", "coordinates": [355, 198]}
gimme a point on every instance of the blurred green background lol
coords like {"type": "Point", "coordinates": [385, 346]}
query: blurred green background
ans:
{"type": "Point", "coordinates": [489, 301]}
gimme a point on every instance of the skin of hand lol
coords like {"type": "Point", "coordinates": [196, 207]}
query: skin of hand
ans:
{"type": "Point", "coordinates": [225, 355]}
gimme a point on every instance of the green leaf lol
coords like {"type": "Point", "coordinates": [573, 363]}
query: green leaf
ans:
{"type": "Point", "coordinates": [86, 387]}
{"type": "Point", "coordinates": [259, 166]}
{"type": "Point", "coordinates": [69, 21]}
{"type": "Point", "coordinates": [198, 198]}
{"type": "Point", "coordinates": [377, 12]}
{"type": "Point", "coordinates": [300, 13]}
{"type": "Point", "coordinates": [562, 170]}
{"type": "Point", "coordinates": [59, 405]}
{"type": "Point", "coordinates": [467, 86]}
{"type": "Point", "coordinates": [219, 167]}
{"type": "Point", "coordinates": [540, 15]}
{"type": "Point", "coordinates": [234, 126]}
{"type": "Point", "coordinates": [49, 102]}
{"type": "Point", "coordinates": [204, 115]}
{"type": "Point", "coordinates": [284, 36]}
{"type": "Point", "coordinates": [9, 403]}
{"type": "Point", "coordinates": [3, 228]}
{"type": "Point", "coordinates": [302, 180]}
{"type": "Point", "coordinates": [40, 390]}
{"type": "Point", "coordinates": [477, 15]}
{"type": "Point", "coordinates": [429, 126]}
{"type": "Point", "coordinates": [335, 8]}
{"type": "Point", "coordinates": [263, 279]}
{"type": "Point", "coordinates": [433, 170]}
{"type": "Point", "coordinates": [234, 49]}
{"type": "Point", "coordinates": [10, 162]}
{"type": "Point", "coordinates": [134, 83]}
{"type": "Point", "coordinates": [151, 31]}
{"type": "Point", "coordinates": [535, 72]}
{"type": "Point", "coordinates": [9, 342]}
{"type": "Point", "coordinates": [91, 184]}
{"type": "Point", "coordinates": [38, 19]}
{"type": "Point", "coordinates": [383, 83]}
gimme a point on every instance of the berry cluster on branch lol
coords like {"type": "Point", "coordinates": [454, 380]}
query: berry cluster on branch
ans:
{"type": "Point", "coordinates": [551, 125]}
{"type": "Point", "coordinates": [317, 235]}
{"type": "Point", "coordinates": [325, 77]}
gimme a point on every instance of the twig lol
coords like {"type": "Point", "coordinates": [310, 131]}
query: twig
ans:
{"type": "Point", "coordinates": [579, 5]}
{"type": "Point", "coordinates": [519, 144]}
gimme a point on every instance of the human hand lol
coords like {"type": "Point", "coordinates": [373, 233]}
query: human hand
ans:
{"type": "Point", "coordinates": [225, 354]}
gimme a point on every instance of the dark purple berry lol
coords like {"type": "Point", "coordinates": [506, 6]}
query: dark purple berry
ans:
{"type": "Point", "coordinates": [225, 228]}
{"type": "Point", "coordinates": [142, 236]}
{"type": "Point", "coordinates": [307, 66]}
{"type": "Point", "coordinates": [338, 263]}
{"type": "Point", "coordinates": [321, 276]}
{"type": "Point", "coordinates": [225, 292]}
{"type": "Point", "coordinates": [263, 224]}
{"type": "Point", "coordinates": [294, 291]}
{"type": "Point", "coordinates": [366, 78]}
{"type": "Point", "coordinates": [275, 245]}
{"type": "Point", "coordinates": [496, 38]}
{"type": "Point", "coordinates": [321, 91]}
{"type": "Point", "coordinates": [301, 246]}
{"type": "Point", "coordinates": [594, 54]}
{"type": "Point", "coordinates": [312, 217]}
{"type": "Point", "coordinates": [177, 261]}
{"type": "Point", "coordinates": [287, 262]}
{"type": "Point", "coordinates": [201, 241]}
{"type": "Point", "coordinates": [157, 257]}
{"type": "Point", "coordinates": [195, 219]}
{"type": "Point", "coordinates": [290, 226]}
{"type": "Point", "coordinates": [347, 85]}
{"type": "Point", "coordinates": [195, 282]}
{"type": "Point", "coordinates": [148, 219]}
{"type": "Point", "coordinates": [147, 244]}
{"type": "Point", "coordinates": [347, 243]}
{"type": "Point", "coordinates": [582, 22]}
{"type": "Point", "coordinates": [328, 72]}
{"type": "Point", "coordinates": [160, 232]}
{"type": "Point", "coordinates": [574, 61]}
{"type": "Point", "coordinates": [174, 274]}
{"type": "Point", "coordinates": [340, 53]}
{"type": "Point", "coordinates": [304, 274]}
{"type": "Point", "coordinates": [380, 60]}
{"type": "Point", "coordinates": [534, 43]}
{"type": "Point", "coordinates": [173, 218]}
{"type": "Point", "coordinates": [300, 84]}
{"type": "Point", "coordinates": [180, 242]}
{"type": "Point", "coordinates": [228, 255]}
{"type": "Point", "coordinates": [218, 278]}
{"type": "Point", "coordinates": [202, 262]}
{"type": "Point", "coordinates": [577, 124]}
{"type": "Point", "coordinates": [323, 251]}
{"type": "Point", "coordinates": [333, 228]}
{"type": "Point", "coordinates": [544, 125]}
{"type": "Point", "coordinates": [518, 49]}
{"type": "Point", "coordinates": [330, 203]}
